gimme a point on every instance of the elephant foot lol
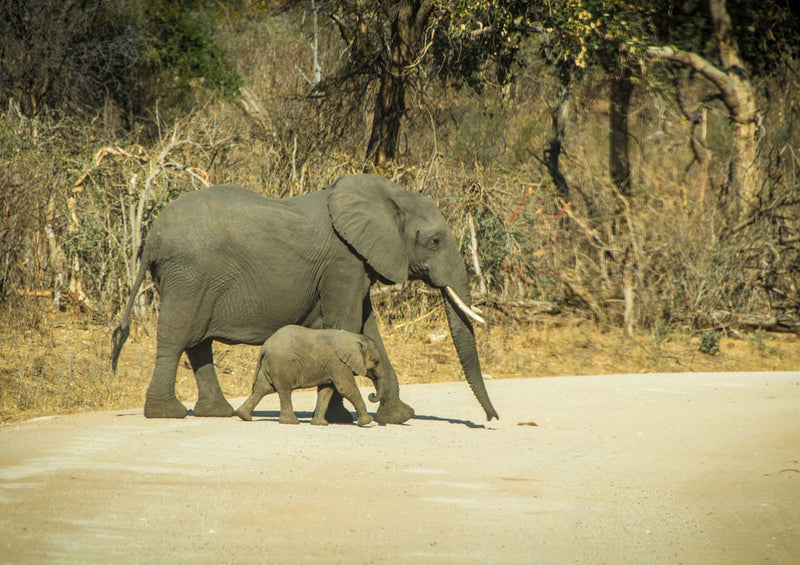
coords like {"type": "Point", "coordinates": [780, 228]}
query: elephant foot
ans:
{"type": "Point", "coordinates": [170, 408]}
{"type": "Point", "coordinates": [318, 421]}
{"type": "Point", "coordinates": [244, 414]}
{"type": "Point", "coordinates": [394, 412]}
{"type": "Point", "coordinates": [213, 409]}
{"type": "Point", "coordinates": [288, 419]}
{"type": "Point", "coordinates": [365, 420]}
{"type": "Point", "coordinates": [245, 411]}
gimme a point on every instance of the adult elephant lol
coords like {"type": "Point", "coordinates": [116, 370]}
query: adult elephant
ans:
{"type": "Point", "coordinates": [233, 266]}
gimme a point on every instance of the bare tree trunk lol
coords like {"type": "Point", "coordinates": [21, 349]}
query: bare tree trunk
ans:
{"type": "Point", "coordinates": [621, 89]}
{"type": "Point", "coordinates": [552, 153]}
{"type": "Point", "coordinates": [390, 106]}
{"type": "Point", "coordinates": [407, 27]}
{"type": "Point", "coordinates": [741, 102]}
{"type": "Point", "coordinates": [739, 98]}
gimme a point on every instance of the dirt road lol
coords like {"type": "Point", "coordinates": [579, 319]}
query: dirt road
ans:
{"type": "Point", "coordinates": [681, 468]}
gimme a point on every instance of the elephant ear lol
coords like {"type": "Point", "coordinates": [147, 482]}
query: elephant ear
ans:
{"type": "Point", "coordinates": [365, 213]}
{"type": "Point", "coordinates": [349, 350]}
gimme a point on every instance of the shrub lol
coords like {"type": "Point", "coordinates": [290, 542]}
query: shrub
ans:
{"type": "Point", "coordinates": [709, 342]}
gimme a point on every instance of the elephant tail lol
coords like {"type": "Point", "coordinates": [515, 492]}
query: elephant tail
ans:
{"type": "Point", "coordinates": [257, 371]}
{"type": "Point", "coordinates": [123, 330]}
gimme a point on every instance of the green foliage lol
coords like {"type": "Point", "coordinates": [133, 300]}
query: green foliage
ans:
{"type": "Point", "coordinates": [661, 331]}
{"type": "Point", "coordinates": [595, 32]}
{"type": "Point", "coordinates": [757, 343]}
{"type": "Point", "coordinates": [616, 34]}
{"type": "Point", "coordinates": [767, 32]}
{"type": "Point", "coordinates": [65, 55]}
{"type": "Point", "coordinates": [709, 342]}
{"type": "Point", "coordinates": [472, 33]}
{"type": "Point", "coordinates": [471, 151]}
{"type": "Point", "coordinates": [185, 55]}
{"type": "Point", "coordinates": [496, 242]}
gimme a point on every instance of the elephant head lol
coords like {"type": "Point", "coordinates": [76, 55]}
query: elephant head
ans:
{"type": "Point", "coordinates": [361, 355]}
{"type": "Point", "coordinates": [403, 236]}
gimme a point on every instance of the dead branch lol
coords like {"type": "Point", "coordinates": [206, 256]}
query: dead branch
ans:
{"type": "Point", "coordinates": [473, 247]}
{"type": "Point", "coordinates": [518, 207]}
{"type": "Point", "coordinates": [584, 294]}
{"type": "Point", "coordinates": [777, 324]}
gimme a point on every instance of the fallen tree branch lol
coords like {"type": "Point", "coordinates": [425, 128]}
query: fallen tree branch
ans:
{"type": "Point", "coordinates": [473, 247]}
{"type": "Point", "coordinates": [530, 306]}
{"type": "Point", "coordinates": [778, 324]}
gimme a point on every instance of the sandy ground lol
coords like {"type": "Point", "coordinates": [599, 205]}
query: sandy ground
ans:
{"type": "Point", "coordinates": [671, 468]}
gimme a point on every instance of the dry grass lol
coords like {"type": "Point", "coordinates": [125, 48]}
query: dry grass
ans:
{"type": "Point", "coordinates": [56, 363]}
{"type": "Point", "coordinates": [562, 346]}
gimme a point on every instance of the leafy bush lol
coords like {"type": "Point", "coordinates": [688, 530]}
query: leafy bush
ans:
{"type": "Point", "coordinates": [109, 56]}
{"type": "Point", "coordinates": [64, 52]}
{"type": "Point", "coordinates": [709, 342]}
{"type": "Point", "coordinates": [185, 57]}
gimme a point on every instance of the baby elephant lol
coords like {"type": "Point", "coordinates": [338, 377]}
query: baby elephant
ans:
{"type": "Point", "coordinates": [298, 357]}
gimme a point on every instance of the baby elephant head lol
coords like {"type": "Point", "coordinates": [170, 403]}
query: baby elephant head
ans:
{"type": "Point", "coordinates": [360, 353]}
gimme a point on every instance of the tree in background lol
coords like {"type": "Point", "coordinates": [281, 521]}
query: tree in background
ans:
{"type": "Point", "coordinates": [184, 59]}
{"type": "Point", "coordinates": [68, 55]}
{"type": "Point", "coordinates": [730, 73]}
{"type": "Point", "coordinates": [384, 42]}
{"type": "Point", "coordinates": [623, 38]}
{"type": "Point", "coordinates": [607, 35]}
{"type": "Point", "coordinates": [57, 53]}
{"type": "Point", "coordinates": [389, 42]}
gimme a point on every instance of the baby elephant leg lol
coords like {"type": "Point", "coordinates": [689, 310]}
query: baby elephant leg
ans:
{"type": "Point", "coordinates": [261, 387]}
{"type": "Point", "coordinates": [348, 389]}
{"type": "Point", "coordinates": [287, 410]}
{"type": "Point", "coordinates": [324, 393]}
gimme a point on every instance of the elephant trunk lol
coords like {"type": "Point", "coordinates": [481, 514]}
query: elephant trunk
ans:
{"type": "Point", "coordinates": [378, 394]}
{"type": "Point", "coordinates": [464, 341]}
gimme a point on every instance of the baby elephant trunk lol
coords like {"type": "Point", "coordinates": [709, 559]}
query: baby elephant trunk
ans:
{"type": "Point", "coordinates": [378, 394]}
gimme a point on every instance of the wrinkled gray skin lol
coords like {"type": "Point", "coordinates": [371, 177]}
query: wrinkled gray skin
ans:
{"type": "Point", "coordinates": [297, 357]}
{"type": "Point", "coordinates": [233, 266]}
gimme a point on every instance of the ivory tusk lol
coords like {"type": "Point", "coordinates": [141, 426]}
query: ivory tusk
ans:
{"type": "Point", "coordinates": [463, 307]}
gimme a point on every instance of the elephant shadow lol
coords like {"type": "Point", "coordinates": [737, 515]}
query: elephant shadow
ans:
{"type": "Point", "coordinates": [272, 416]}
{"type": "Point", "coordinates": [467, 423]}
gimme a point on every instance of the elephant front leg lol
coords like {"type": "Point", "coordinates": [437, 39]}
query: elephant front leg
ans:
{"type": "Point", "coordinates": [350, 391]}
{"type": "Point", "coordinates": [392, 410]}
{"type": "Point", "coordinates": [210, 400]}
{"type": "Point", "coordinates": [287, 415]}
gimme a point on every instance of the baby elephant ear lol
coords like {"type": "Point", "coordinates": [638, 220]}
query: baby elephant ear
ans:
{"type": "Point", "coordinates": [365, 213]}
{"type": "Point", "coordinates": [349, 349]}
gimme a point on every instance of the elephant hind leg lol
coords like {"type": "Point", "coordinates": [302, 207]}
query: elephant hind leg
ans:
{"type": "Point", "coordinates": [210, 400]}
{"type": "Point", "coordinates": [287, 415]}
{"type": "Point", "coordinates": [261, 388]}
{"type": "Point", "coordinates": [161, 401]}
